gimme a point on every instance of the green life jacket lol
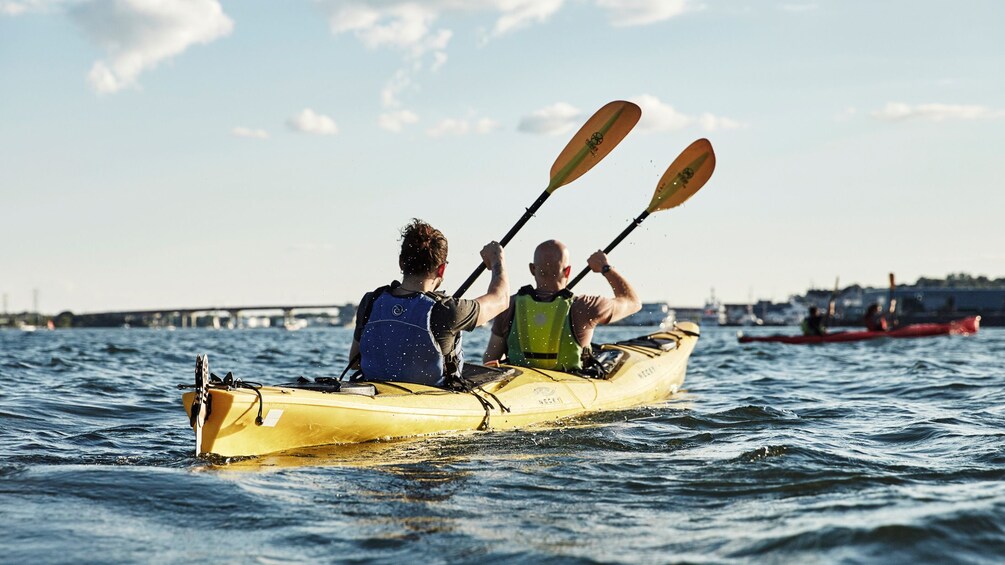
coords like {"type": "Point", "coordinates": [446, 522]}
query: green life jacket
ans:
{"type": "Point", "coordinates": [541, 333]}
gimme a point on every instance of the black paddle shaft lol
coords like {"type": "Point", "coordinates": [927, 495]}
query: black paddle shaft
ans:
{"type": "Point", "coordinates": [506, 238]}
{"type": "Point", "coordinates": [631, 227]}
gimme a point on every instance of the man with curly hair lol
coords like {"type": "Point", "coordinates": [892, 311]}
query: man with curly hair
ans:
{"type": "Point", "coordinates": [408, 332]}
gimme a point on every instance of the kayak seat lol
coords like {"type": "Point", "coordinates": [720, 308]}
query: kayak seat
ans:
{"type": "Point", "coordinates": [333, 385]}
{"type": "Point", "coordinates": [601, 363]}
{"type": "Point", "coordinates": [479, 375]}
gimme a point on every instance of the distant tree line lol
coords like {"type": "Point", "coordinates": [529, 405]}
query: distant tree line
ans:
{"type": "Point", "coordinates": [961, 280]}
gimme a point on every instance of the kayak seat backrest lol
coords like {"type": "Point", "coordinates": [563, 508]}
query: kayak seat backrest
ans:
{"type": "Point", "coordinates": [479, 375]}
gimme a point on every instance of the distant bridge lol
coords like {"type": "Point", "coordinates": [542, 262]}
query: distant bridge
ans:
{"type": "Point", "coordinates": [188, 316]}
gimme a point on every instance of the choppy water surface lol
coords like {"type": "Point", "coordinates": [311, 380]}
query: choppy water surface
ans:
{"type": "Point", "coordinates": [887, 451]}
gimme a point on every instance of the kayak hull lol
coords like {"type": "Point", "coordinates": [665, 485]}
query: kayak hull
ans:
{"type": "Point", "coordinates": [294, 417]}
{"type": "Point", "coordinates": [965, 326]}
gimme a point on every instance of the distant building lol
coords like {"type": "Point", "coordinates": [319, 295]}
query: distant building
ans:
{"type": "Point", "coordinates": [922, 304]}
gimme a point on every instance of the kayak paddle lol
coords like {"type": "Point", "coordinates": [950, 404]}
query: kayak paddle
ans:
{"type": "Point", "coordinates": [598, 136]}
{"type": "Point", "coordinates": [832, 302]}
{"type": "Point", "coordinates": [892, 300]}
{"type": "Point", "coordinates": [684, 177]}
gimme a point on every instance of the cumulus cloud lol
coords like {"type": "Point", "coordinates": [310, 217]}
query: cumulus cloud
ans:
{"type": "Point", "coordinates": [643, 12]}
{"type": "Point", "coordinates": [518, 14]}
{"type": "Point", "coordinates": [407, 26]}
{"type": "Point", "coordinates": [309, 121]}
{"type": "Point", "coordinates": [139, 34]}
{"type": "Point", "coordinates": [410, 25]}
{"type": "Point", "coordinates": [250, 132]}
{"type": "Point", "coordinates": [415, 30]}
{"type": "Point", "coordinates": [898, 111]}
{"type": "Point", "coordinates": [397, 120]}
{"type": "Point", "coordinates": [556, 119]}
{"type": "Point", "coordinates": [458, 127]}
{"type": "Point", "coordinates": [660, 116]}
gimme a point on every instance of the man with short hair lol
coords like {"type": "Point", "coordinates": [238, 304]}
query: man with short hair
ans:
{"type": "Point", "coordinates": [548, 327]}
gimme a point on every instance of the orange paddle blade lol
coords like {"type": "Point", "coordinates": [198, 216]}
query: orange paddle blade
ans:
{"type": "Point", "coordinates": [598, 137]}
{"type": "Point", "coordinates": [688, 173]}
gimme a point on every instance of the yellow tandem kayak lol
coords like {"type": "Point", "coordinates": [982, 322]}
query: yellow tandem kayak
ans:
{"type": "Point", "coordinates": [244, 419]}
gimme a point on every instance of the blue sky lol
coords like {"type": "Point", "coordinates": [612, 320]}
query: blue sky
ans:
{"type": "Point", "coordinates": [196, 152]}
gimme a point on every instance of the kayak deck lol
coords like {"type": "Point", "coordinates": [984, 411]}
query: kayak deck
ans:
{"type": "Point", "coordinates": [243, 419]}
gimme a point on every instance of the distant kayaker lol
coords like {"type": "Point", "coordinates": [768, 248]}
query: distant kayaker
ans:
{"type": "Point", "coordinates": [406, 331]}
{"type": "Point", "coordinates": [874, 320]}
{"type": "Point", "coordinates": [546, 326]}
{"type": "Point", "coordinates": [813, 324]}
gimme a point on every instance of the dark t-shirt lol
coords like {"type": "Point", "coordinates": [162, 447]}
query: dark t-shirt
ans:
{"type": "Point", "coordinates": [449, 316]}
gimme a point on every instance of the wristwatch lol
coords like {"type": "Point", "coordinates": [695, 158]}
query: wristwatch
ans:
{"type": "Point", "coordinates": [605, 269]}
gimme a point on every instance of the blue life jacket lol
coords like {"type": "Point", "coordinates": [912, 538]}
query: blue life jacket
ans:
{"type": "Point", "coordinates": [398, 343]}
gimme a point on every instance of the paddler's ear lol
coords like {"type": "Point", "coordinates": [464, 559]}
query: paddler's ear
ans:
{"type": "Point", "coordinates": [567, 271]}
{"type": "Point", "coordinates": [440, 270]}
{"type": "Point", "coordinates": [531, 267]}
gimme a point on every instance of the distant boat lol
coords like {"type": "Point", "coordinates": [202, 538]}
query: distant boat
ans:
{"type": "Point", "coordinates": [27, 327]}
{"type": "Point", "coordinates": [295, 324]}
{"type": "Point", "coordinates": [714, 312]}
{"type": "Point", "coordinates": [652, 314]}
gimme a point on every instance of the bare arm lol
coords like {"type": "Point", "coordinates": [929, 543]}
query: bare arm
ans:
{"type": "Point", "coordinates": [496, 300]}
{"type": "Point", "coordinates": [626, 302]}
{"type": "Point", "coordinates": [495, 349]}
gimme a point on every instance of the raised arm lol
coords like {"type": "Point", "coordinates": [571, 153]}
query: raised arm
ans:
{"type": "Point", "coordinates": [626, 302]}
{"type": "Point", "coordinates": [496, 299]}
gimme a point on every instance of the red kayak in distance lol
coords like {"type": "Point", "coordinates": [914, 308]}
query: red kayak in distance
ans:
{"type": "Point", "coordinates": [966, 326]}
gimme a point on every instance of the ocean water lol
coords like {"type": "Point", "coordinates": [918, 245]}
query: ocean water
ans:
{"type": "Point", "coordinates": [890, 451]}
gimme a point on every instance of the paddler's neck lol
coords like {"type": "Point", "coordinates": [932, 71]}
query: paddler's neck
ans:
{"type": "Point", "coordinates": [420, 283]}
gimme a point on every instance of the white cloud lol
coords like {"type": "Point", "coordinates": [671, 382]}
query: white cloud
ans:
{"type": "Point", "coordinates": [309, 121]}
{"type": "Point", "coordinates": [898, 111]}
{"type": "Point", "coordinates": [400, 82]}
{"type": "Point", "coordinates": [657, 116]}
{"type": "Point", "coordinates": [397, 120]}
{"type": "Point", "coordinates": [660, 116]}
{"type": "Point", "coordinates": [518, 14]}
{"type": "Point", "coordinates": [643, 12]}
{"type": "Point", "coordinates": [12, 8]}
{"type": "Point", "coordinates": [402, 25]}
{"type": "Point", "coordinates": [556, 119]}
{"type": "Point", "coordinates": [411, 28]}
{"type": "Point", "coordinates": [249, 132]}
{"type": "Point", "coordinates": [18, 7]}
{"type": "Point", "coordinates": [139, 34]}
{"type": "Point", "coordinates": [458, 127]}
{"type": "Point", "coordinates": [709, 122]}
{"type": "Point", "coordinates": [409, 25]}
